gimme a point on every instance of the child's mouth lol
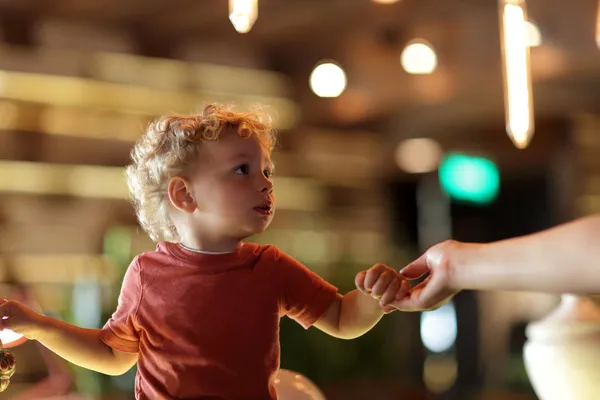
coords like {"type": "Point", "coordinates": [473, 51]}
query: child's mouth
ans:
{"type": "Point", "coordinates": [264, 210]}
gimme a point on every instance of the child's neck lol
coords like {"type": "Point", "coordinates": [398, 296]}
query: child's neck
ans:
{"type": "Point", "coordinates": [204, 251]}
{"type": "Point", "coordinates": [210, 247]}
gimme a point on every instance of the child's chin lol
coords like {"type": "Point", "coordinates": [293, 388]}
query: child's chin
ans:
{"type": "Point", "coordinates": [261, 228]}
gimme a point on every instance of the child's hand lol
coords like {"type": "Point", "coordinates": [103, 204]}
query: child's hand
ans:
{"type": "Point", "coordinates": [382, 283]}
{"type": "Point", "coordinates": [20, 319]}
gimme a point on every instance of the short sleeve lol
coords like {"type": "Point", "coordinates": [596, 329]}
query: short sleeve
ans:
{"type": "Point", "coordinates": [120, 331]}
{"type": "Point", "coordinates": [306, 295]}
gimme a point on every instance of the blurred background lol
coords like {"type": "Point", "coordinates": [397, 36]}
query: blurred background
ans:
{"type": "Point", "coordinates": [393, 137]}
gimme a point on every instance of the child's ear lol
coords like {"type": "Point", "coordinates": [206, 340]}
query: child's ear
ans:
{"type": "Point", "coordinates": [180, 195]}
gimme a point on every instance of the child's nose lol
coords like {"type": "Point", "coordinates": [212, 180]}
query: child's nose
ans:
{"type": "Point", "coordinates": [266, 185]}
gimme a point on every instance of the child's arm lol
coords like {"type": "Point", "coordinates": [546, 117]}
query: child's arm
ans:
{"type": "Point", "coordinates": [310, 300]}
{"type": "Point", "coordinates": [79, 346]}
{"type": "Point", "coordinates": [83, 347]}
{"type": "Point", "coordinates": [357, 312]}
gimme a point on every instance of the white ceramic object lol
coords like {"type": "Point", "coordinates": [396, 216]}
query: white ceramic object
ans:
{"type": "Point", "coordinates": [291, 385]}
{"type": "Point", "coordinates": [562, 354]}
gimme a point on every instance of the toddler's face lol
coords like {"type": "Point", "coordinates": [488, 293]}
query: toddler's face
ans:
{"type": "Point", "coordinates": [232, 186]}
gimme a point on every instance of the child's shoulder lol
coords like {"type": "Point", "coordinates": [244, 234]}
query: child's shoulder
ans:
{"type": "Point", "coordinates": [263, 249]}
{"type": "Point", "coordinates": [150, 259]}
{"type": "Point", "coordinates": [146, 257]}
{"type": "Point", "coordinates": [273, 253]}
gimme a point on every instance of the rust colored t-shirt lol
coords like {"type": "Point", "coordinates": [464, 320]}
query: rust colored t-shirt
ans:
{"type": "Point", "coordinates": [207, 326]}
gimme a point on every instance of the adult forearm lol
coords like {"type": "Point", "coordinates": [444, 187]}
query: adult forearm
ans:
{"type": "Point", "coordinates": [562, 259]}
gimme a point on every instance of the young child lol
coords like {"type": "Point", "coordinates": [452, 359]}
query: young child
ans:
{"type": "Point", "coordinates": [200, 314]}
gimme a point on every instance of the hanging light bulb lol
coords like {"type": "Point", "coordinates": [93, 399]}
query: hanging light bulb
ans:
{"type": "Point", "coordinates": [518, 98]}
{"type": "Point", "coordinates": [243, 14]}
{"type": "Point", "coordinates": [598, 25]}
{"type": "Point", "coordinates": [533, 34]}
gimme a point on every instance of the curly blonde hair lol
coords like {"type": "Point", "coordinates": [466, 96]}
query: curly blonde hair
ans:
{"type": "Point", "coordinates": [168, 146]}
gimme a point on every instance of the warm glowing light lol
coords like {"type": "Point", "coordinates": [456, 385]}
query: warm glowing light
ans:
{"type": "Point", "coordinates": [11, 339]}
{"type": "Point", "coordinates": [328, 80]}
{"type": "Point", "coordinates": [518, 99]}
{"type": "Point", "coordinates": [418, 155]}
{"type": "Point", "coordinates": [598, 25]}
{"type": "Point", "coordinates": [243, 14]}
{"type": "Point", "coordinates": [419, 58]}
{"type": "Point", "coordinates": [440, 372]}
{"type": "Point", "coordinates": [385, 1]}
{"type": "Point", "coordinates": [533, 34]}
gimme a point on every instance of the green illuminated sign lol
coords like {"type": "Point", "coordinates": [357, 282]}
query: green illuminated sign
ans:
{"type": "Point", "coordinates": [468, 178]}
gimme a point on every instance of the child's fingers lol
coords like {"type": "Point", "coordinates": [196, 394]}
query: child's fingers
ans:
{"type": "Point", "coordinates": [390, 292]}
{"type": "Point", "coordinates": [359, 281]}
{"type": "Point", "coordinates": [372, 276]}
{"type": "Point", "coordinates": [384, 280]}
{"type": "Point", "coordinates": [388, 309]}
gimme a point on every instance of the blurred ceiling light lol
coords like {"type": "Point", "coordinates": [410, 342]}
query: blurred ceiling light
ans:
{"type": "Point", "coordinates": [518, 97]}
{"type": "Point", "coordinates": [328, 80]}
{"type": "Point", "coordinates": [243, 14]}
{"type": "Point", "coordinates": [385, 1]}
{"type": "Point", "coordinates": [598, 25]}
{"type": "Point", "coordinates": [418, 156]}
{"type": "Point", "coordinates": [533, 33]}
{"type": "Point", "coordinates": [419, 57]}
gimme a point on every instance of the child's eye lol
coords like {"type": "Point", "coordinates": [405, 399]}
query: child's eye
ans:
{"type": "Point", "coordinates": [268, 173]}
{"type": "Point", "coordinates": [243, 169]}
